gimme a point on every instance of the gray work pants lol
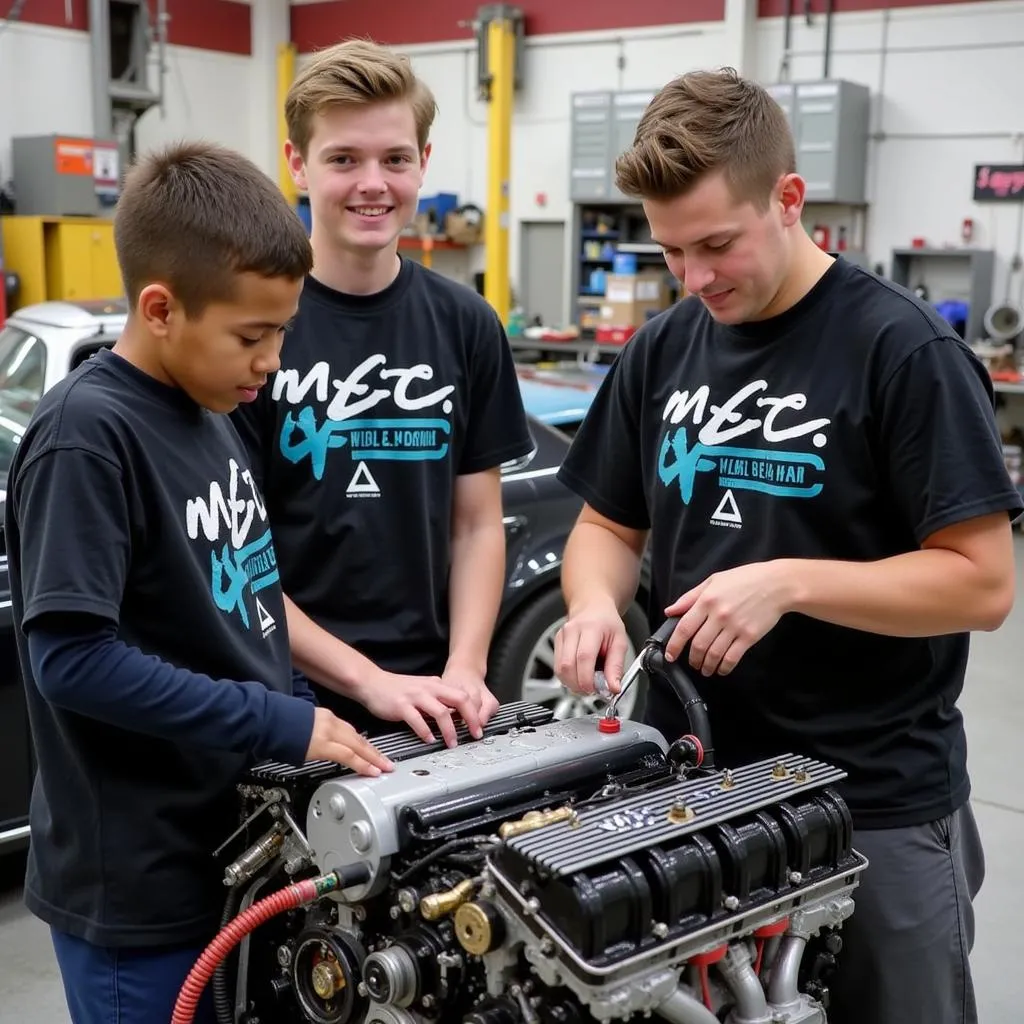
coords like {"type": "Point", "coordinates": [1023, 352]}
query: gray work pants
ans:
{"type": "Point", "coordinates": [905, 950]}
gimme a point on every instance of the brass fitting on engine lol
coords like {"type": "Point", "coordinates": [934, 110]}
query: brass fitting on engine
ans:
{"type": "Point", "coordinates": [478, 927]}
{"type": "Point", "coordinates": [328, 979]}
{"type": "Point", "coordinates": [438, 904]}
{"type": "Point", "coordinates": [680, 812]}
{"type": "Point", "coordinates": [537, 819]}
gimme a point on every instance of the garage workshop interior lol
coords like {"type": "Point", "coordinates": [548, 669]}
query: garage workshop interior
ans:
{"type": "Point", "coordinates": [574, 864]}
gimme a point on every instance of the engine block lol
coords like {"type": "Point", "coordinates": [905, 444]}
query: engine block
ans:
{"type": "Point", "coordinates": [552, 872]}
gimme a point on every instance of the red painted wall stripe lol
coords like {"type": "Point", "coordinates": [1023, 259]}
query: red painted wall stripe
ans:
{"type": "Point", "coordinates": [207, 24]}
{"type": "Point", "coordinates": [210, 25]}
{"type": "Point", "coordinates": [404, 22]}
{"type": "Point", "coordinates": [51, 12]}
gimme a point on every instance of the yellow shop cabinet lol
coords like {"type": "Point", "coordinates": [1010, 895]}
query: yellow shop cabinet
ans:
{"type": "Point", "coordinates": [61, 258]}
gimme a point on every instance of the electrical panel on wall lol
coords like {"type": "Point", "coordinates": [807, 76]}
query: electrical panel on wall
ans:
{"type": "Point", "coordinates": [603, 126]}
{"type": "Point", "coordinates": [829, 121]}
{"type": "Point", "coordinates": [628, 108]}
{"type": "Point", "coordinates": [590, 147]}
{"type": "Point", "coordinates": [64, 176]}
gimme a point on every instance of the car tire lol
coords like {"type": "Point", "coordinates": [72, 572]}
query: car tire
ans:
{"type": "Point", "coordinates": [515, 650]}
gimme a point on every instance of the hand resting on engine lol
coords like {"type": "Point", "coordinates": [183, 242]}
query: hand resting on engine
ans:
{"type": "Point", "coordinates": [401, 698]}
{"type": "Point", "coordinates": [335, 740]}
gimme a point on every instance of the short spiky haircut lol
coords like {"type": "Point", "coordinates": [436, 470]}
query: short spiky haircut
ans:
{"type": "Point", "coordinates": [703, 122]}
{"type": "Point", "coordinates": [195, 215]}
{"type": "Point", "coordinates": [356, 72]}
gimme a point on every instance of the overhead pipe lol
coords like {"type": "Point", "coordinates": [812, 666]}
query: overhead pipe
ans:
{"type": "Point", "coordinates": [162, 18]}
{"type": "Point", "coordinates": [829, 10]}
{"type": "Point", "coordinates": [787, 41]}
{"type": "Point", "coordinates": [99, 36]}
{"type": "Point", "coordinates": [875, 51]}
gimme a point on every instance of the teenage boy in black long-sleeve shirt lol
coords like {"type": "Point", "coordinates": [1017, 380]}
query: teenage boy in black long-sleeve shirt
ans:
{"type": "Point", "coordinates": [150, 619]}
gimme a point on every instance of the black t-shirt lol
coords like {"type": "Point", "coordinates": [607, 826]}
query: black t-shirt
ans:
{"type": "Point", "coordinates": [129, 503]}
{"type": "Point", "coordinates": [380, 403]}
{"type": "Point", "coordinates": [850, 427]}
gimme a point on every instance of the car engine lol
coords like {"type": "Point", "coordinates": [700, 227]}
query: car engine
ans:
{"type": "Point", "coordinates": [552, 872]}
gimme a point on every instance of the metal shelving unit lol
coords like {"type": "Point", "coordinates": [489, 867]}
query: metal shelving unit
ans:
{"type": "Point", "coordinates": [628, 233]}
{"type": "Point", "coordinates": [962, 273]}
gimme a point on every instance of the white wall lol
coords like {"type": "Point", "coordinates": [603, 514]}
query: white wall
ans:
{"type": "Point", "coordinates": [946, 85]}
{"type": "Point", "coordinates": [45, 87]}
{"type": "Point", "coordinates": [206, 95]}
{"type": "Point", "coordinates": [44, 84]}
{"type": "Point", "coordinates": [941, 112]}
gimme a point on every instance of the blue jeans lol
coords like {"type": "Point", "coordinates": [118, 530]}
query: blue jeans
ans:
{"type": "Point", "coordinates": [126, 986]}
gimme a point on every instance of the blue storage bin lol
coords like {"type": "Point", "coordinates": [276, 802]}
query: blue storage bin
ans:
{"type": "Point", "coordinates": [624, 263]}
{"type": "Point", "coordinates": [955, 313]}
{"type": "Point", "coordinates": [440, 205]}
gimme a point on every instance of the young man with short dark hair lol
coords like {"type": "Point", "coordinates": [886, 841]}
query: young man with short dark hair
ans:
{"type": "Point", "coordinates": [813, 455]}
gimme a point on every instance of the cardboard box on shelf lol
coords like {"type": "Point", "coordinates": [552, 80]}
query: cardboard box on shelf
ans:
{"type": "Point", "coordinates": [466, 228]}
{"type": "Point", "coordinates": [630, 298]}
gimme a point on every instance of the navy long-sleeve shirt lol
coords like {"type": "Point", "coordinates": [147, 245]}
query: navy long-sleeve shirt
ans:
{"type": "Point", "coordinates": [79, 664]}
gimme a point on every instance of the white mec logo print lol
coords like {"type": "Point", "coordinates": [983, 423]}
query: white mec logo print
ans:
{"type": "Point", "coordinates": [628, 820]}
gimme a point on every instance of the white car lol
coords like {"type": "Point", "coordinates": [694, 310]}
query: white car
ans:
{"type": "Point", "coordinates": [39, 346]}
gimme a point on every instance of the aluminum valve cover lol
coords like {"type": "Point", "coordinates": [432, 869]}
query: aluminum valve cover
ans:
{"type": "Point", "coordinates": [355, 819]}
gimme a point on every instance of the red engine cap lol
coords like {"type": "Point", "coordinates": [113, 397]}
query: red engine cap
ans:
{"type": "Point", "coordinates": [608, 725]}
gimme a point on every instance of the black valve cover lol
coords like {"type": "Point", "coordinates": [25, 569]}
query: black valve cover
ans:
{"type": "Point", "coordinates": [674, 854]}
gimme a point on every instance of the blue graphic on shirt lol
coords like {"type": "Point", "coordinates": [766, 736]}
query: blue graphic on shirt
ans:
{"type": "Point", "coordinates": [253, 566]}
{"type": "Point", "coordinates": [705, 434]}
{"type": "Point", "coordinates": [326, 411]}
{"type": "Point", "coordinates": [410, 439]}
{"type": "Point", "coordinates": [240, 565]}
{"type": "Point", "coordinates": [783, 474]}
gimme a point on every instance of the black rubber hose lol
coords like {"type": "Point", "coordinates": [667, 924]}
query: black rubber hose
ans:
{"type": "Point", "coordinates": [682, 686]}
{"type": "Point", "coordinates": [445, 850]}
{"type": "Point", "coordinates": [222, 1000]}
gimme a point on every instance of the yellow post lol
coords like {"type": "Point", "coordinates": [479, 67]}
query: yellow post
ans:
{"type": "Point", "coordinates": [501, 43]}
{"type": "Point", "coordinates": [285, 77]}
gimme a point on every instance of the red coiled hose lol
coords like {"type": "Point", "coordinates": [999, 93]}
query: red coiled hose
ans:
{"type": "Point", "coordinates": [228, 937]}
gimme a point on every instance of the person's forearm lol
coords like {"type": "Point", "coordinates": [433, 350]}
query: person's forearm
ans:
{"type": "Point", "coordinates": [475, 584]}
{"type": "Point", "coordinates": [322, 657]}
{"type": "Point", "coordinates": [96, 675]}
{"type": "Point", "coordinates": [921, 593]}
{"type": "Point", "coordinates": [598, 565]}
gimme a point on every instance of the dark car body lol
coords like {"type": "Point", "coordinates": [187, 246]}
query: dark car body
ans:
{"type": "Point", "coordinates": [539, 512]}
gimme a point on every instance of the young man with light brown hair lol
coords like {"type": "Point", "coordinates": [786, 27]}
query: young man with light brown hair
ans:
{"type": "Point", "coordinates": [380, 439]}
{"type": "Point", "coordinates": [813, 455]}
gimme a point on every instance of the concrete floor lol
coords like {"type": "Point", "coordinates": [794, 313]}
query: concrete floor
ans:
{"type": "Point", "coordinates": [30, 989]}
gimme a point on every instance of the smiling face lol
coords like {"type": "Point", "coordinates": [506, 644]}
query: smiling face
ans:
{"type": "Point", "coordinates": [363, 171]}
{"type": "Point", "coordinates": [733, 256]}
